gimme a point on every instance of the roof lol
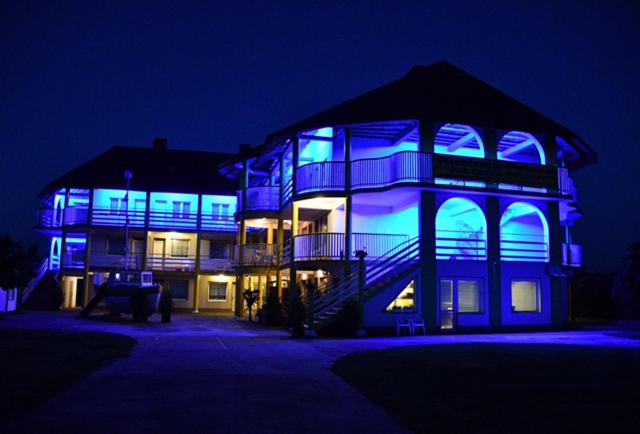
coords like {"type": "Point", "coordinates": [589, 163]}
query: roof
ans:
{"type": "Point", "coordinates": [162, 170]}
{"type": "Point", "coordinates": [444, 93]}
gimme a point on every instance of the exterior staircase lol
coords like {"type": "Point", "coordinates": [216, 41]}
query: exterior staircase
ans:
{"type": "Point", "coordinates": [43, 292]}
{"type": "Point", "coordinates": [380, 274]}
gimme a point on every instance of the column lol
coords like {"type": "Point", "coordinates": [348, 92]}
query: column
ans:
{"type": "Point", "coordinates": [559, 290]}
{"type": "Point", "coordinates": [280, 246]}
{"type": "Point", "coordinates": [348, 207]}
{"type": "Point", "coordinates": [196, 288]}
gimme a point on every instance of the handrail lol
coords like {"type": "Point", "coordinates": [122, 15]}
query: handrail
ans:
{"type": "Point", "coordinates": [44, 266]}
{"type": "Point", "coordinates": [403, 166]}
{"type": "Point", "coordinates": [261, 198]}
{"type": "Point", "coordinates": [320, 176]}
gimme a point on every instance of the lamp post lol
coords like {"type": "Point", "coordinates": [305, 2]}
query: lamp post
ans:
{"type": "Point", "coordinates": [361, 254]}
{"type": "Point", "coordinates": [127, 176]}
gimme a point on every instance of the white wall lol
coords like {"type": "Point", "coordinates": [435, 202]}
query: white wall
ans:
{"type": "Point", "coordinates": [226, 305]}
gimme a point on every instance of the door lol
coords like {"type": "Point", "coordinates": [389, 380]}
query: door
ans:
{"type": "Point", "coordinates": [157, 254]}
{"type": "Point", "coordinates": [447, 317]}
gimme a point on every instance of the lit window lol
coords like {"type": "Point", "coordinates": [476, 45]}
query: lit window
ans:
{"type": "Point", "coordinates": [469, 296]}
{"type": "Point", "coordinates": [525, 296]}
{"type": "Point", "coordinates": [404, 301]}
{"type": "Point", "coordinates": [180, 248]}
{"type": "Point", "coordinates": [217, 291]}
{"type": "Point", "coordinates": [179, 289]}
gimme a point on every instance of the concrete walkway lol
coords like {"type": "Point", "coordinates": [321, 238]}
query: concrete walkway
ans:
{"type": "Point", "coordinates": [213, 375]}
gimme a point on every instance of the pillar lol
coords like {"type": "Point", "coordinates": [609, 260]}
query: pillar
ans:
{"type": "Point", "coordinates": [348, 207]}
{"type": "Point", "coordinates": [559, 290]}
{"type": "Point", "coordinates": [196, 288]}
{"type": "Point", "coordinates": [493, 261]}
{"type": "Point", "coordinates": [280, 246]}
{"type": "Point", "coordinates": [87, 264]}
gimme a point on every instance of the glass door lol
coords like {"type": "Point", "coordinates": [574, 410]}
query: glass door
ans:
{"type": "Point", "coordinates": [446, 305]}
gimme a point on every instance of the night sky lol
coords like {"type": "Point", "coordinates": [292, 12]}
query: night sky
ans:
{"type": "Point", "coordinates": [78, 78]}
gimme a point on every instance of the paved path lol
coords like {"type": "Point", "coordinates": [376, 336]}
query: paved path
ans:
{"type": "Point", "coordinates": [203, 374]}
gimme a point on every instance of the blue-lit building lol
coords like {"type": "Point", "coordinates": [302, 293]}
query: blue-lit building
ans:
{"type": "Point", "coordinates": [181, 226]}
{"type": "Point", "coordinates": [461, 196]}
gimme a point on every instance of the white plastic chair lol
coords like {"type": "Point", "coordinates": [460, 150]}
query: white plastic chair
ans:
{"type": "Point", "coordinates": [403, 324]}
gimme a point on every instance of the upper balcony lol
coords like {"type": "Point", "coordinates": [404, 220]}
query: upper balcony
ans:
{"type": "Point", "coordinates": [260, 199]}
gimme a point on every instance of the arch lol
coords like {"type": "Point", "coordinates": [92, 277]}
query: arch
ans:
{"type": "Point", "coordinates": [457, 139]}
{"type": "Point", "coordinates": [524, 234]}
{"type": "Point", "coordinates": [521, 147]}
{"type": "Point", "coordinates": [461, 231]}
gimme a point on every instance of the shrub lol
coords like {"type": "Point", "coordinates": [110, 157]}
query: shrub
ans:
{"type": "Point", "coordinates": [271, 313]}
{"type": "Point", "coordinates": [296, 314]}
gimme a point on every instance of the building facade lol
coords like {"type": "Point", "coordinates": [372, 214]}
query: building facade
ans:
{"type": "Point", "coordinates": [461, 197]}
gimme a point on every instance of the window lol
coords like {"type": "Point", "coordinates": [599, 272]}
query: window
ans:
{"type": "Point", "coordinates": [405, 301]}
{"type": "Point", "coordinates": [469, 296]}
{"type": "Point", "coordinates": [525, 296]}
{"type": "Point", "coordinates": [12, 294]}
{"type": "Point", "coordinates": [217, 291]}
{"type": "Point", "coordinates": [180, 248]}
{"type": "Point", "coordinates": [116, 206]}
{"type": "Point", "coordinates": [179, 289]}
{"type": "Point", "coordinates": [219, 211]}
{"type": "Point", "coordinates": [181, 209]}
{"type": "Point", "coordinates": [218, 250]}
{"type": "Point", "coordinates": [115, 246]}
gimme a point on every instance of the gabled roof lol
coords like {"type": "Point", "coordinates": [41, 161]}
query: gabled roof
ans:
{"type": "Point", "coordinates": [161, 170]}
{"type": "Point", "coordinates": [444, 93]}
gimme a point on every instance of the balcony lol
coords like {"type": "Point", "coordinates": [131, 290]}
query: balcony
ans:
{"type": "Point", "coordinates": [330, 246]}
{"type": "Point", "coordinates": [260, 199]}
{"type": "Point", "coordinates": [111, 217]}
{"type": "Point", "coordinates": [218, 223]}
{"type": "Point", "coordinates": [171, 263]}
{"type": "Point", "coordinates": [402, 167]}
{"type": "Point", "coordinates": [572, 255]}
{"type": "Point", "coordinates": [256, 255]}
{"type": "Point", "coordinates": [116, 261]}
{"type": "Point", "coordinates": [174, 220]}
{"type": "Point", "coordinates": [74, 259]}
{"type": "Point", "coordinates": [324, 176]}
{"type": "Point", "coordinates": [216, 265]}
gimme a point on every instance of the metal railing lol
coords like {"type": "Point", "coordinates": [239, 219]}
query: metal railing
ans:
{"type": "Point", "coordinates": [116, 261]}
{"type": "Point", "coordinates": [216, 264]}
{"type": "Point", "coordinates": [318, 246]}
{"type": "Point", "coordinates": [116, 217]}
{"type": "Point", "coordinates": [260, 199]}
{"type": "Point", "coordinates": [404, 166]}
{"type": "Point", "coordinates": [461, 245]}
{"type": "Point", "coordinates": [524, 247]}
{"type": "Point", "coordinates": [287, 192]}
{"type": "Point", "coordinates": [376, 245]}
{"type": "Point", "coordinates": [323, 176]}
{"type": "Point", "coordinates": [44, 267]}
{"type": "Point", "coordinates": [218, 223]}
{"type": "Point", "coordinates": [170, 219]}
{"type": "Point", "coordinates": [171, 263]}
{"type": "Point", "coordinates": [256, 255]}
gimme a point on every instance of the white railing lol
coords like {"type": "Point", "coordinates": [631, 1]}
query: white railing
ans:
{"type": "Point", "coordinates": [323, 176]}
{"type": "Point", "coordinates": [260, 199]}
{"type": "Point", "coordinates": [171, 263]}
{"type": "Point", "coordinates": [44, 267]}
{"type": "Point", "coordinates": [461, 245]}
{"type": "Point", "coordinates": [524, 247]}
{"type": "Point", "coordinates": [401, 167]}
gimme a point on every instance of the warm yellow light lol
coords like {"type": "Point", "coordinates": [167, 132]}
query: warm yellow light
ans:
{"type": "Point", "coordinates": [304, 276]}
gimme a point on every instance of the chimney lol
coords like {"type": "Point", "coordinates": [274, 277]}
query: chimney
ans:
{"type": "Point", "coordinates": [160, 144]}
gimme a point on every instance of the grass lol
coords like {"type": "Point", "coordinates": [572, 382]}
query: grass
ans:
{"type": "Point", "coordinates": [38, 364]}
{"type": "Point", "coordinates": [492, 388]}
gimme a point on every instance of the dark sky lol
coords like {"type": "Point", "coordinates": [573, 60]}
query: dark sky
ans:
{"type": "Point", "coordinates": [79, 77]}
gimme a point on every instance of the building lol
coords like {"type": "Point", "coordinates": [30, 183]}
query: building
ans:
{"type": "Point", "coordinates": [461, 196]}
{"type": "Point", "coordinates": [180, 214]}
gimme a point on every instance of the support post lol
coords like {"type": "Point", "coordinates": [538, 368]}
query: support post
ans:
{"type": "Point", "coordinates": [361, 254]}
{"type": "Point", "coordinates": [559, 292]}
{"type": "Point", "coordinates": [493, 261]}
{"type": "Point", "coordinates": [348, 207]}
{"type": "Point", "coordinates": [280, 246]}
{"type": "Point", "coordinates": [87, 264]}
{"type": "Point", "coordinates": [311, 300]}
{"type": "Point", "coordinates": [196, 288]}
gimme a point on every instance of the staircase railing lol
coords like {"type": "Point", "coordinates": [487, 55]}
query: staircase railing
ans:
{"type": "Point", "coordinates": [335, 297]}
{"type": "Point", "coordinates": [44, 266]}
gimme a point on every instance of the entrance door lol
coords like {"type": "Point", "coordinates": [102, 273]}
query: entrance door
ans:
{"type": "Point", "coordinates": [447, 318]}
{"type": "Point", "coordinates": [157, 255]}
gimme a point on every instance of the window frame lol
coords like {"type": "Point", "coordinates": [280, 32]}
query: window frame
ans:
{"type": "Point", "coordinates": [218, 300]}
{"type": "Point", "coordinates": [171, 252]}
{"type": "Point", "coordinates": [538, 294]}
{"type": "Point", "coordinates": [456, 295]}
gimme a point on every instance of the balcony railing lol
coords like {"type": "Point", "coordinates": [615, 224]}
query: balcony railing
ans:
{"type": "Point", "coordinates": [75, 215]}
{"type": "Point", "coordinates": [524, 247]}
{"type": "Point", "coordinates": [215, 265]}
{"type": "Point", "coordinates": [324, 176]}
{"type": "Point", "coordinates": [461, 245]}
{"type": "Point", "coordinates": [116, 261]}
{"type": "Point", "coordinates": [318, 247]}
{"type": "Point", "coordinates": [401, 167]}
{"type": "Point", "coordinates": [169, 219]}
{"type": "Point", "coordinates": [377, 245]}
{"type": "Point", "coordinates": [256, 255]}
{"type": "Point", "coordinates": [115, 217]}
{"type": "Point", "coordinates": [260, 199]}
{"type": "Point", "coordinates": [218, 223]}
{"type": "Point", "coordinates": [572, 255]}
{"type": "Point", "coordinates": [171, 263]}
{"type": "Point", "coordinates": [74, 259]}
{"type": "Point", "coordinates": [287, 192]}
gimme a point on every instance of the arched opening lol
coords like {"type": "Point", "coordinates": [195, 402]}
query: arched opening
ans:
{"type": "Point", "coordinates": [461, 231]}
{"type": "Point", "coordinates": [461, 140]}
{"type": "Point", "coordinates": [520, 147]}
{"type": "Point", "coordinates": [524, 234]}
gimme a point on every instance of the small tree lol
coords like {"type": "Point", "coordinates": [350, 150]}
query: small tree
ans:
{"type": "Point", "coordinates": [296, 313]}
{"type": "Point", "coordinates": [17, 265]}
{"type": "Point", "coordinates": [272, 310]}
{"type": "Point", "coordinates": [251, 297]}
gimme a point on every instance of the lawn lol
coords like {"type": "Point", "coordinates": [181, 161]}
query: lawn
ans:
{"type": "Point", "coordinates": [37, 364]}
{"type": "Point", "coordinates": [492, 388]}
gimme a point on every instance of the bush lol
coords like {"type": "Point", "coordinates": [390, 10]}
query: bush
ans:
{"type": "Point", "coordinates": [271, 312]}
{"type": "Point", "coordinates": [296, 314]}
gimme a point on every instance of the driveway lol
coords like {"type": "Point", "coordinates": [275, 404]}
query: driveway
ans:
{"type": "Point", "coordinates": [206, 374]}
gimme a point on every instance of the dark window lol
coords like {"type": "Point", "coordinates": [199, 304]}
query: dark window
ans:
{"type": "Point", "coordinates": [179, 289]}
{"type": "Point", "coordinates": [219, 250]}
{"type": "Point", "coordinates": [115, 246]}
